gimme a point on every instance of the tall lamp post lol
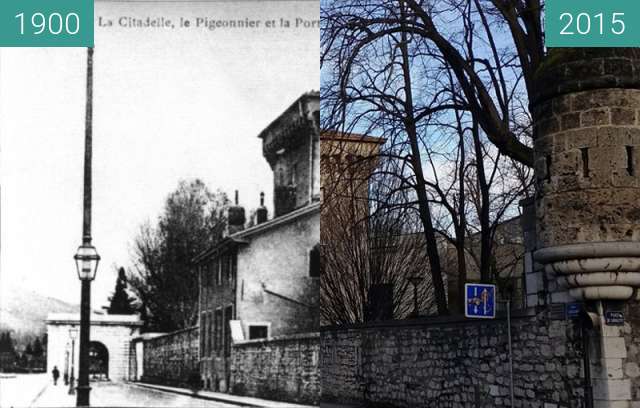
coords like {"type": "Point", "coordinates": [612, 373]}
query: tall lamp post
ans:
{"type": "Point", "coordinates": [73, 333]}
{"type": "Point", "coordinates": [415, 281]}
{"type": "Point", "coordinates": [87, 257]}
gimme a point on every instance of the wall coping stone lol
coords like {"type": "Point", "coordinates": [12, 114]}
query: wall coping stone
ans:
{"type": "Point", "coordinates": [154, 336]}
{"type": "Point", "coordinates": [434, 321]}
{"type": "Point", "coordinates": [283, 338]}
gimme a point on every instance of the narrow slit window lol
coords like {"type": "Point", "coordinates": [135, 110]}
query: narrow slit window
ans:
{"type": "Point", "coordinates": [585, 161]}
{"type": "Point", "coordinates": [630, 168]}
{"type": "Point", "coordinates": [547, 160]}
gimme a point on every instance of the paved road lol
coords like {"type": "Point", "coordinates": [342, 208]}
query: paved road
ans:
{"type": "Point", "coordinates": [36, 390]}
{"type": "Point", "coordinates": [21, 390]}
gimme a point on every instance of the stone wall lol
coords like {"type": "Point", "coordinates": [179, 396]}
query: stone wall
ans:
{"type": "Point", "coordinates": [628, 372]}
{"type": "Point", "coordinates": [172, 359]}
{"type": "Point", "coordinates": [452, 362]}
{"type": "Point", "coordinates": [284, 368]}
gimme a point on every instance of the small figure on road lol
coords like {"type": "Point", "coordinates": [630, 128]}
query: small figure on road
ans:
{"type": "Point", "coordinates": [56, 374]}
{"type": "Point", "coordinates": [66, 378]}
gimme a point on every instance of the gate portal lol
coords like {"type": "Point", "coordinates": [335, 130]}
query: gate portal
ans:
{"type": "Point", "coordinates": [109, 349]}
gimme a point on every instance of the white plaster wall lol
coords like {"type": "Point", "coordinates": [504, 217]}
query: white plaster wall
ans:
{"type": "Point", "coordinates": [279, 259]}
{"type": "Point", "coordinates": [115, 338]}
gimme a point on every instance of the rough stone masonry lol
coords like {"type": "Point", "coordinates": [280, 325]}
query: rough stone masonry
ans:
{"type": "Point", "coordinates": [586, 141]}
{"type": "Point", "coordinates": [450, 362]}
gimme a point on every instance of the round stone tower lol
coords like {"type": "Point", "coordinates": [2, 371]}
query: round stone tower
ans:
{"type": "Point", "coordinates": [587, 165]}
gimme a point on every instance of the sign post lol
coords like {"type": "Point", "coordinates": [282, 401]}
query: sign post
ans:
{"type": "Point", "coordinates": [480, 303]}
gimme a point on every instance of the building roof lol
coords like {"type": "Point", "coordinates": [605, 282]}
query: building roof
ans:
{"type": "Point", "coordinates": [241, 237]}
{"type": "Point", "coordinates": [293, 106]}
{"type": "Point", "coordinates": [350, 137]}
{"type": "Point", "coordinates": [222, 246]}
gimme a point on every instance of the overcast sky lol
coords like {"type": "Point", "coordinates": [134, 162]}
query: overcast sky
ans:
{"type": "Point", "coordinates": [169, 104]}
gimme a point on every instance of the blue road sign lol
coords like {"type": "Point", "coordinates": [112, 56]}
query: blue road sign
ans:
{"type": "Point", "coordinates": [480, 300]}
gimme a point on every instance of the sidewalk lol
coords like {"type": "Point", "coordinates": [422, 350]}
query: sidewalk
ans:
{"type": "Point", "coordinates": [54, 396]}
{"type": "Point", "coordinates": [222, 397]}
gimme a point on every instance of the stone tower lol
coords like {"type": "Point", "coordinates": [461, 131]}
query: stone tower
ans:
{"type": "Point", "coordinates": [291, 145]}
{"type": "Point", "coordinates": [587, 159]}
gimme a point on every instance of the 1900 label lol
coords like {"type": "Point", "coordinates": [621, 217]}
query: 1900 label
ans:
{"type": "Point", "coordinates": [46, 23]}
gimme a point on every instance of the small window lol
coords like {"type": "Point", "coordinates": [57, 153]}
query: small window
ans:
{"type": "Point", "coordinates": [228, 316]}
{"type": "Point", "coordinates": [630, 169]}
{"type": "Point", "coordinates": [225, 269]}
{"type": "Point", "coordinates": [548, 168]}
{"type": "Point", "coordinates": [314, 262]}
{"type": "Point", "coordinates": [203, 330]}
{"type": "Point", "coordinates": [585, 161]}
{"type": "Point", "coordinates": [218, 331]}
{"type": "Point", "coordinates": [258, 332]}
{"type": "Point", "coordinates": [209, 335]}
{"type": "Point", "coordinates": [233, 268]}
{"type": "Point", "coordinates": [293, 175]}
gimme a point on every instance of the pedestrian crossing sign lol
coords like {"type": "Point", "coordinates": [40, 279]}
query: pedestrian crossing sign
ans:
{"type": "Point", "coordinates": [480, 301]}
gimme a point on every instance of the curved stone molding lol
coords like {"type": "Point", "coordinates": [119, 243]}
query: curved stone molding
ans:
{"type": "Point", "coordinates": [594, 270]}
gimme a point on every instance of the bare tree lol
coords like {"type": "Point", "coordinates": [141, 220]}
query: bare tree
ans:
{"type": "Point", "coordinates": [368, 241]}
{"type": "Point", "coordinates": [451, 101]}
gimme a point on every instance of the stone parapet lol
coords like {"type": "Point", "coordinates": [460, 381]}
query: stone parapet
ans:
{"type": "Point", "coordinates": [453, 362]}
{"type": "Point", "coordinates": [172, 359]}
{"type": "Point", "coordinates": [283, 368]}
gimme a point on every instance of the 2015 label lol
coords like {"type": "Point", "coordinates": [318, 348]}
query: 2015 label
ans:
{"type": "Point", "coordinates": [591, 23]}
{"type": "Point", "coordinates": [582, 24]}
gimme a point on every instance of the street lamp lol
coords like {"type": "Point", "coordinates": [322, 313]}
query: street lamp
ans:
{"type": "Point", "coordinates": [415, 281]}
{"type": "Point", "coordinates": [87, 260]}
{"type": "Point", "coordinates": [67, 351]}
{"type": "Point", "coordinates": [73, 334]}
{"type": "Point", "coordinates": [87, 257]}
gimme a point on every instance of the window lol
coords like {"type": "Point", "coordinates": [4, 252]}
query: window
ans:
{"type": "Point", "coordinates": [228, 316]}
{"type": "Point", "coordinates": [218, 272]}
{"type": "Point", "coordinates": [585, 161]}
{"type": "Point", "coordinates": [314, 262]}
{"type": "Point", "coordinates": [294, 174]}
{"type": "Point", "coordinates": [209, 334]}
{"type": "Point", "coordinates": [203, 336]}
{"type": "Point", "coordinates": [258, 332]}
{"type": "Point", "coordinates": [630, 169]}
{"type": "Point", "coordinates": [547, 163]}
{"type": "Point", "coordinates": [218, 331]}
{"type": "Point", "coordinates": [233, 268]}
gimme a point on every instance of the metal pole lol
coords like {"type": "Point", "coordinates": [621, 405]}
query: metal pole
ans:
{"type": "Point", "coordinates": [510, 352]}
{"type": "Point", "coordinates": [85, 297]}
{"type": "Point", "coordinates": [72, 378]}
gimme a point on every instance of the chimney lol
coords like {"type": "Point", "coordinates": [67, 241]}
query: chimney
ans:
{"type": "Point", "coordinates": [235, 218]}
{"type": "Point", "coordinates": [262, 213]}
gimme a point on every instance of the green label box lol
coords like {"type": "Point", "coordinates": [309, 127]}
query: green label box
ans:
{"type": "Point", "coordinates": [46, 23]}
{"type": "Point", "coordinates": [592, 23]}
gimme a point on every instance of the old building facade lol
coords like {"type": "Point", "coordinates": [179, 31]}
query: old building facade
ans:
{"type": "Point", "coordinates": [263, 281]}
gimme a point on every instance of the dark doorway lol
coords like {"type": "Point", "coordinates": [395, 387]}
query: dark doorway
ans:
{"type": "Point", "coordinates": [98, 361]}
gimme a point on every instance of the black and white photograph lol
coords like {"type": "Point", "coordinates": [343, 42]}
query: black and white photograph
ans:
{"type": "Point", "coordinates": [160, 209]}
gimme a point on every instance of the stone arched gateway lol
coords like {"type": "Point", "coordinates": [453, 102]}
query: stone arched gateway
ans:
{"type": "Point", "coordinates": [113, 332]}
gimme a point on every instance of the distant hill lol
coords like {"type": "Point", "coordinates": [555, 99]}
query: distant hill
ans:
{"type": "Point", "coordinates": [25, 312]}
